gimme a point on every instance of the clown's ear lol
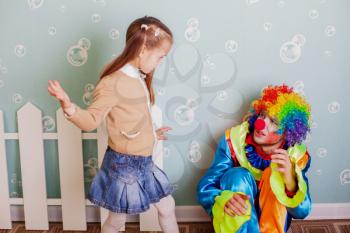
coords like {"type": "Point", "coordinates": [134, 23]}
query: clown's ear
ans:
{"type": "Point", "coordinates": [247, 116]}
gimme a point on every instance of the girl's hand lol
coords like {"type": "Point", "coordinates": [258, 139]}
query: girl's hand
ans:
{"type": "Point", "coordinates": [285, 166]}
{"type": "Point", "coordinates": [160, 132]}
{"type": "Point", "coordinates": [57, 91]}
{"type": "Point", "coordinates": [236, 205]}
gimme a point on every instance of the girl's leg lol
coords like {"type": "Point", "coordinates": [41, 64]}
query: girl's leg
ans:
{"type": "Point", "coordinates": [166, 214]}
{"type": "Point", "coordinates": [113, 222]}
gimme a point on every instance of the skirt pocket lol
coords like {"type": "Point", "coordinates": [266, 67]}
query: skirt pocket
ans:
{"type": "Point", "coordinates": [123, 172]}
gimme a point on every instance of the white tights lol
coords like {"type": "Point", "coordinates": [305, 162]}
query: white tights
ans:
{"type": "Point", "coordinates": [166, 217]}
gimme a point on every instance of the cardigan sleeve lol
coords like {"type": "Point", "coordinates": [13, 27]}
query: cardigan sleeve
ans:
{"type": "Point", "coordinates": [104, 98]}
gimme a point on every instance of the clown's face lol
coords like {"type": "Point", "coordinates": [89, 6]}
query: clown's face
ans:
{"type": "Point", "coordinates": [265, 130]}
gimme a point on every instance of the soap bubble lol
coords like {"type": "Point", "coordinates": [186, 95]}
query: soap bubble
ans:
{"type": "Point", "coordinates": [299, 40]}
{"type": "Point", "coordinates": [345, 177]}
{"type": "Point", "coordinates": [298, 87]}
{"type": "Point", "coordinates": [20, 50]}
{"type": "Point", "coordinates": [334, 107]}
{"type": "Point", "coordinates": [93, 162]}
{"type": "Point", "coordinates": [192, 34]}
{"type": "Point", "coordinates": [14, 195]}
{"type": "Point", "coordinates": [267, 26]}
{"type": "Point", "coordinates": [84, 43]}
{"type": "Point", "coordinates": [194, 145]}
{"type": "Point", "coordinates": [77, 56]}
{"type": "Point", "coordinates": [330, 30]}
{"type": "Point", "coordinates": [89, 87]}
{"type": "Point", "coordinates": [193, 23]}
{"type": "Point", "coordinates": [290, 52]}
{"type": "Point", "coordinates": [184, 115]}
{"type": "Point", "coordinates": [96, 18]}
{"type": "Point", "coordinates": [87, 98]}
{"type": "Point", "coordinates": [3, 69]}
{"type": "Point", "coordinates": [222, 95]}
{"type": "Point", "coordinates": [14, 178]}
{"type": "Point", "coordinates": [322, 152]}
{"type": "Point", "coordinates": [89, 173]}
{"type": "Point", "coordinates": [17, 98]}
{"type": "Point", "coordinates": [90, 169]}
{"type": "Point", "coordinates": [35, 4]}
{"type": "Point", "coordinates": [205, 80]}
{"type": "Point", "coordinates": [194, 156]}
{"type": "Point", "coordinates": [48, 123]}
{"type": "Point", "coordinates": [52, 31]}
{"type": "Point", "coordinates": [192, 104]}
{"type": "Point", "coordinates": [231, 46]}
{"type": "Point", "coordinates": [114, 34]}
{"type": "Point", "coordinates": [313, 14]}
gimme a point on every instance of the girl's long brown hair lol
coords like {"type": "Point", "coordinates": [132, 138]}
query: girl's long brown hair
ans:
{"type": "Point", "coordinates": [137, 35]}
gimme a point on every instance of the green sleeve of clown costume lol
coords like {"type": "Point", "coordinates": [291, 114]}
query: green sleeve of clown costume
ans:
{"type": "Point", "coordinates": [300, 204]}
{"type": "Point", "coordinates": [302, 210]}
{"type": "Point", "coordinates": [224, 223]}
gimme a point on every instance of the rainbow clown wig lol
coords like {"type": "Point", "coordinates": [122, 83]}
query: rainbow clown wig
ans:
{"type": "Point", "coordinates": [289, 108]}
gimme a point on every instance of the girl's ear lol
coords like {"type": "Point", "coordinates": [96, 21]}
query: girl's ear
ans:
{"type": "Point", "coordinates": [142, 51]}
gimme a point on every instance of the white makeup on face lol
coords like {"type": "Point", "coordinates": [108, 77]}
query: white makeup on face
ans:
{"type": "Point", "coordinates": [268, 135]}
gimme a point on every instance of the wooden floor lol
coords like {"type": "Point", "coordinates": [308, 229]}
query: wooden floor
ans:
{"type": "Point", "coordinates": [319, 226]}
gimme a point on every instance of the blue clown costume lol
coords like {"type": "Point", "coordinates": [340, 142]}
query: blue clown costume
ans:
{"type": "Point", "coordinates": [240, 166]}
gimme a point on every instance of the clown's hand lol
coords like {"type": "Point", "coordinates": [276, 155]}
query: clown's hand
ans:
{"type": "Point", "coordinates": [285, 167]}
{"type": "Point", "coordinates": [237, 205]}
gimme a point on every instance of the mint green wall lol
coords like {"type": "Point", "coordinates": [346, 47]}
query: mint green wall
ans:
{"type": "Point", "coordinates": [225, 52]}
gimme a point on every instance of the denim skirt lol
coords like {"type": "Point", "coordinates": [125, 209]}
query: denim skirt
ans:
{"type": "Point", "coordinates": [128, 183]}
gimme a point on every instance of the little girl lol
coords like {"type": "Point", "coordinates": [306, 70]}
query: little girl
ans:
{"type": "Point", "coordinates": [128, 181]}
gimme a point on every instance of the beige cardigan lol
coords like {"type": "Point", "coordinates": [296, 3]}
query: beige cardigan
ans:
{"type": "Point", "coordinates": [123, 98]}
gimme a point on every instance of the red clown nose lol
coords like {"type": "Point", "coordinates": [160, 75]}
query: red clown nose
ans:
{"type": "Point", "coordinates": [259, 124]}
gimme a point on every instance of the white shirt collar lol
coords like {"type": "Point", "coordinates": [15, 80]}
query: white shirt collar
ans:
{"type": "Point", "coordinates": [132, 71]}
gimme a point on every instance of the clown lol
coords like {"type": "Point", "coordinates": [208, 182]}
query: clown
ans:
{"type": "Point", "coordinates": [257, 181]}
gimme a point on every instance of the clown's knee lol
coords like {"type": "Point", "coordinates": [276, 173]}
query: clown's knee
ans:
{"type": "Point", "coordinates": [239, 179]}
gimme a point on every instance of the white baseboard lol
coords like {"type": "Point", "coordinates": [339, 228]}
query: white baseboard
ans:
{"type": "Point", "coordinates": [190, 213]}
{"type": "Point", "coordinates": [330, 211]}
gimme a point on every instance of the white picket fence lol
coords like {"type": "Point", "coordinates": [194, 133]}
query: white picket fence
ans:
{"type": "Point", "coordinates": [70, 152]}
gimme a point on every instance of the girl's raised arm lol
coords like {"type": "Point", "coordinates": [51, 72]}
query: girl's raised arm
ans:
{"type": "Point", "coordinates": [104, 98]}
